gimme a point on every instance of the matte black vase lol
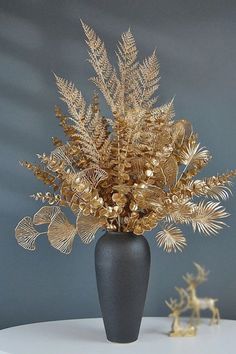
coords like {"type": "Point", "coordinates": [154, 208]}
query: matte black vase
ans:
{"type": "Point", "coordinates": [122, 262]}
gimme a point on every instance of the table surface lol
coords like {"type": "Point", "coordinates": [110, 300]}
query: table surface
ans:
{"type": "Point", "coordinates": [87, 336]}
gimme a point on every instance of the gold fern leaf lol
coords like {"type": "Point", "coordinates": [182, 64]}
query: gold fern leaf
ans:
{"type": "Point", "coordinates": [165, 113]}
{"type": "Point", "coordinates": [45, 215]}
{"type": "Point", "coordinates": [128, 69]}
{"type": "Point", "coordinates": [171, 239]}
{"type": "Point", "coordinates": [71, 95]}
{"type": "Point", "coordinates": [206, 217]}
{"type": "Point", "coordinates": [61, 233]}
{"type": "Point", "coordinates": [106, 79]}
{"type": "Point", "coordinates": [149, 78]}
{"type": "Point", "coordinates": [87, 226]}
{"type": "Point", "coordinates": [26, 234]}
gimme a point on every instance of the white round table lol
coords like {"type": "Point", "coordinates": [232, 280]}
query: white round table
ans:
{"type": "Point", "coordinates": [87, 336]}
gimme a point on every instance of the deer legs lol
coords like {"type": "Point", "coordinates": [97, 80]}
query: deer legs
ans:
{"type": "Point", "coordinates": [215, 316]}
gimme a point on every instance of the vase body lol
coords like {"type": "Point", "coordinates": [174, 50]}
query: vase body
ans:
{"type": "Point", "coordinates": [122, 262]}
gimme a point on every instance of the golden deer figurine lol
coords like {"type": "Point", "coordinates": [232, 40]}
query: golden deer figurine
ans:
{"type": "Point", "coordinates": [177, 308]}
{"type": "Point", "coordinates": [197, 304]}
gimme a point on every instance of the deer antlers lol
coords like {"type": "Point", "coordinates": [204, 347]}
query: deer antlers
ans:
{"type": "Point", "coordinates": [182, 305]}
{"type": "Point", "coordinates": [195, 280]}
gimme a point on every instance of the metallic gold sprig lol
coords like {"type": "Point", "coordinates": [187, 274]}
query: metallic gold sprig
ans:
{"type": "Point", "coordinates": [131, 172]}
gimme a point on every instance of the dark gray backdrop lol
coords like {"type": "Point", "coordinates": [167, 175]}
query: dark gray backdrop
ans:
{"type": "Point", "coordinates": [197, 52]}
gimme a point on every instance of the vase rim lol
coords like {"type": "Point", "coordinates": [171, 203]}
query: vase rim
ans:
{"type": "Point", "coordinates": [120, 232]}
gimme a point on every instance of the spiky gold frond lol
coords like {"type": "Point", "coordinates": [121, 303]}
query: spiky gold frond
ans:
{"type": "Point", "coordinates": [206, 217]}
{"type": "Point", "coordinates": [219, 192]}
{"type": "Point", "coordinates": [181, 212]}
{"type": "Point", "coordinates": [171, 239]}
{"type": "Point", "coordinates": [106, 79]}
{"type": "Point", "coordinates": [211, 190]}
{"type": "Point", "coordinates": [26, 234]}
{"type": "Point", "coordinates": [76, 106]}
{"type": "Point", "coordinates": [128, 70]}
{"type": "Point", "coordinates": [193, 153]}
{"type": "Point", "coordinates": [165, 113]}
{"type": "Point", "coordinates": [71, 95]}
{"type": "Point", "coordinates": [61, 233]}
{"type": "Point", "coordinates": [149, 78]}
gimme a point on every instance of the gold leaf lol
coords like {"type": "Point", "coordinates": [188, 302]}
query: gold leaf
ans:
{"type": "Point", "coordinates": [128, 69]}
{"type": "Point", "coordinates": [149, 78]}
{"type": "Point", "coordinates": [171, 239]}
{"type": "Point", "coordinates": [59, 154]}
{"type": "Point", "coordinates": [106, 79]}
{"type": "Point", "coordinates": [45, 215]}
{"type": "Point", "coordinates": [149, 196]}
{"type": "Point", "coordinates": [205, 217]}
{"type": "Point", "coordinates": [70, 94]}
{"type": "Point", "coordinates": [87, 226]}
{"type": "Point", "coordinates": [181, 130]}
{"type": "Point", "coordinates": [61, 233]}
{"type": "Point", "coordinates": [26, 234]}
{"type": "Point", "coordinates": [219, 192]}
{"type": "Point", "coordinates": [92, 175]}
{"type": "Point", "coordinates": [170, 171]}
{"type": "Point", "coordinates": [192, 153]}
{"type": "Point", "coordinates": [181, 212]}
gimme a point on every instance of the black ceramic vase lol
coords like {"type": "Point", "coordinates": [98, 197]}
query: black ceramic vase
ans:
{"type": "Point", "coordinates": [122, 262]}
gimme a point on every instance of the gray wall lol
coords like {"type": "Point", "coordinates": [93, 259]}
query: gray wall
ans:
{"type": "Point", "coordinates": [197, 53]}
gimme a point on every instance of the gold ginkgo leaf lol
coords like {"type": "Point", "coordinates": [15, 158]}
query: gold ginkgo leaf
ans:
{"type": "Point", "coordinates": [26, 234]}
{"type": "Point", "coordinates": [92, 175]}
{"type": "Point", "coordinates": [45, 215]}
{"type": "Point", "coordinates": [171, 239]}
{"type": "Point", "coordinates": [60, 155]}
{"type": "Point", "coordinates": [61, 233]}
{"type": "Point", "coordinates": [87, 226]}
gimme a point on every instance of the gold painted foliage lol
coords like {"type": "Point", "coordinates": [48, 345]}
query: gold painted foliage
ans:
{"type": "Point", "coordinates": [130, 172]}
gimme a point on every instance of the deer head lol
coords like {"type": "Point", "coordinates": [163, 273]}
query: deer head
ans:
{"type": "Point", "coordinates": [194, 280]}
{"type": "Point", "coordinates": [178, 307]}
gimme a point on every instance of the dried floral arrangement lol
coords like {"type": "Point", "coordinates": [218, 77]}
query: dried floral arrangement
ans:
{"type": "Point", "coordinates": [131, 172]}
